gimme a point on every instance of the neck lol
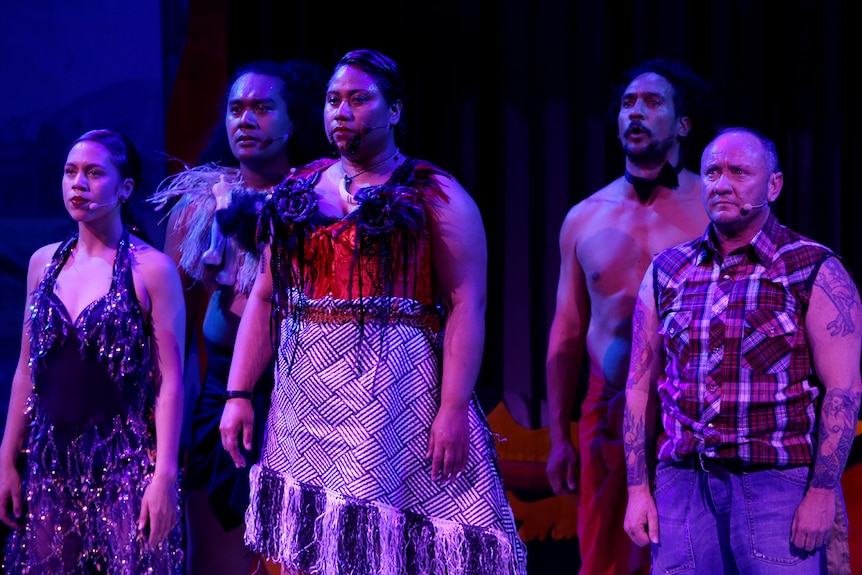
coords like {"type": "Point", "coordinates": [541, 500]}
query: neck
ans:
{"type": "Point", "coordinates": [652, 169]}
{"type": "Point", "coordinates": [382, 163]}
{"type": "Point", "coordinates": [264, 177]}
{"type": "Point", "coordinates": [94, 239]}
{"type": "Point", "coordinates": [729, 238]}
{"type": "Point", "coordinates": [353, 166]}
{"type": "Point", "coordinates": [667, 177]}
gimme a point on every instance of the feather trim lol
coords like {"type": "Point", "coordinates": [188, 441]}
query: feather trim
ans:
{"type": "Point", "coordinates": [189, 195]}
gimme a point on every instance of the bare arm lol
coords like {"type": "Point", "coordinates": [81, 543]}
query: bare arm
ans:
{"type": "Point", "coordinates": [566, 344]}
{"type": "Point", "coordinates": [169, 325]}
{"type": "Point", "coordinates": [16, 418]}
{"type": "Point", "coordinates": [833, 327]}
{"type": "Point", "coordinates": [195, 295]}
{"type": "Point", "coordinates": [639, 433]}
{"type": "Point", "coordinates": [460, 262]}
{"type": "Point", "coordinates": [252, 354]}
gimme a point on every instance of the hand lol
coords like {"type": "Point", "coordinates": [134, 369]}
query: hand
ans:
{"type": "Point", "coordinates": [641, 521]}
{"type": "Point", "coordinates": [563, 468]}
{"type": "Point", "coordinates": [237, 420]}
{"type": "Point", "coordinates": [812, 522]}
{"type": "Point", "coordinates": [449, 444]}
{"type": "Point", "coordinates": [10, 490]}
{"type": "Point", "coordinates": [159, 509]}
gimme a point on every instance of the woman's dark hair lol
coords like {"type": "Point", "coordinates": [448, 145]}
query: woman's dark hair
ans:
{"type": "Point", "coordinates": [385, 72]}
{"type": "Point", "coordinates": [303, 90]}
{"type": "Point", "coordinates": [127, 160]}
{"type": "Point", "coordinates": [124, 154]}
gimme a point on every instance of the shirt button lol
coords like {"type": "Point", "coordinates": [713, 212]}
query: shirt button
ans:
{"type": "Point", "coordinates": [672, 330]}
{"type": "Point", "coordinates": [726, 276]}
{"type": "Point", "coordinates": [709, 425]}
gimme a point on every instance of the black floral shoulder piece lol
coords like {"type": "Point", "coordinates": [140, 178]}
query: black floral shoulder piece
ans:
{"type": "Point", "coordinates": [390, 220]}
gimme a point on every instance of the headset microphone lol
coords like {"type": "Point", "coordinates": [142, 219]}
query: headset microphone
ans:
{"type": "Point", "coordinates": [369, 130]}
{"type": "Point", "coordinates": [96, 205]}
{"type": "Point", "coordinates": [746, 207]}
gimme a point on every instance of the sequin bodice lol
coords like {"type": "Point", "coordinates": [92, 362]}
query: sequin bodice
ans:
{"type": "Point", "coordinates": [97, 365]}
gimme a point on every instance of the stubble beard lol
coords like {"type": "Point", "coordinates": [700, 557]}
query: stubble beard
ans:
{"type": "Point", "coordinates": [653, 154]}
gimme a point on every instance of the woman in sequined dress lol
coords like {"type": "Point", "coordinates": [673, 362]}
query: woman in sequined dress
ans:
{"type": "Point", "coordinates": [96, 403]}
{"type": "Point", "coordinates": [377, 457]}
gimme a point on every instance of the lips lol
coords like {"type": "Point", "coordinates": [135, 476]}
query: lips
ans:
{"type": "Point", "coordinates": [636, 128]}
{"type": "Point", "coordinates": [342, 130]}
{"type": "Point", "coordinates": [245, 139]}
{"type": "Point", "coordinates": [79, 201]}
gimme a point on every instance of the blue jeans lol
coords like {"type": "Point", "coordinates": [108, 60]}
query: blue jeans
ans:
{"type": "Point", "coordinates": [736, 524]}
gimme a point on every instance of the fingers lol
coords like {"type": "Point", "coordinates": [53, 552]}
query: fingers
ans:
{"type": "Point", "coordinates": [447, 465]}
{"type": "Point", "coordinates": [10, 521]}
{"type": "Point", "coordinates": [231, 446]}
{"type": "Point", "coordinates": [143, 517]}
{"type": "Point", "coordinates": [247, 433]}
{"type": "Point", "coordinates": [229, 440]}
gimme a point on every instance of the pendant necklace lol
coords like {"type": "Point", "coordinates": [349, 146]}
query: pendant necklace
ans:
{"type": "Point", "coordinates": [347, 180]}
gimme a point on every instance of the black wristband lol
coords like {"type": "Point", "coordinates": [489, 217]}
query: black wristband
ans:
{"type": "Point", "coordinates": [236, 394]}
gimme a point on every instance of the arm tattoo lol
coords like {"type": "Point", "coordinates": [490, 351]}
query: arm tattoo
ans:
{"type": "Point", "coordinates": [634, 440]}
{"type": "Point", "coordinates": [841, 292]}
{"type": "Point", "coordinates": [640, 364]}
{"type": "Point", "coordinates": [838, 417]}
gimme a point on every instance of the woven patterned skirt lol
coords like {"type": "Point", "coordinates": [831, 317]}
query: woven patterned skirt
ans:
{"type": "Point", "coordinates": [343, 485]}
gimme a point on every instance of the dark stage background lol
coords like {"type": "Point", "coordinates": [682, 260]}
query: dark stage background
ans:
{"type": "Point", "coordinates": [509, 96]}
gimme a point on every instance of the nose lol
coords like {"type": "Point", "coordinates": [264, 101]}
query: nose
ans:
{"type": "Point", "coordinates": [248, 117]}
{"type": "Point", "coordinates": [343, 110]}
{"type": "Point", "coordinates": [721, 185]}
{"type": "Point", "coordinates": [637, 108]}
{"type": "Point", "coordinates": [79, 181]}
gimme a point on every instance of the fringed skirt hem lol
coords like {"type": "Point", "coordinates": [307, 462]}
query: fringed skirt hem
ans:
{"type": "Point", "coordinates": [322, 532]}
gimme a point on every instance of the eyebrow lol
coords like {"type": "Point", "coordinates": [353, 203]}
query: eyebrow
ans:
{"type": "Point", "coordinates": [85, 166]}
{"type": "Point", "coordinates": [251, 100]}
{"type": "Point", "coordinates": [643, 95]}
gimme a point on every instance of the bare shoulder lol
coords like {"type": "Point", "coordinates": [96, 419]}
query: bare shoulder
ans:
{"type": "Point", "coordinates": [39, 260]}
{"type": "Point", "coordinates": [154, 264]}
{"type": "Point", "coordinates": [455, 192]}
{"type": "Point", "coordinates": [597, 208]}
{"type": "Point", "coordinates": [42, 257]}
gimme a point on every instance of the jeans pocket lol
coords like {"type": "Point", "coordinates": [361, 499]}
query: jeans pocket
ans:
{"type": "Point", "coordinates": [673, 494]}
{"type": "Point", "coordinates": [771, 499]}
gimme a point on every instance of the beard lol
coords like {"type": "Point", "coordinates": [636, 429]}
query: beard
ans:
{"type": "Point", "coordinates": [653, 153]}
{"type": "Point", "coordinates": [348, 148]}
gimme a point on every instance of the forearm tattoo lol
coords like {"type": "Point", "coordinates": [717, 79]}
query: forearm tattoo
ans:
{"type": "Point", "coordinates": [642, 353]}
{"type": "Point", "coordinates": [838, 417]}
{"type": "Point", "coordinates": [634, 440]}
{"type": "Point", "coordinates": [841, 291]}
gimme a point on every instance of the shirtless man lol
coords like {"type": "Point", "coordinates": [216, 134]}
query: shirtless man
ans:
{"type": "Point", "coordinates": [606, 243]}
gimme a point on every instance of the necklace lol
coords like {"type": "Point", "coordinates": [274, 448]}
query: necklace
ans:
{"type": "Point", "coordinates": [346, 180]}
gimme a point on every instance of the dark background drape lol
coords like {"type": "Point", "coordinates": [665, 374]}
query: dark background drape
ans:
{"type": "Point", "coordinates": [509, 96]}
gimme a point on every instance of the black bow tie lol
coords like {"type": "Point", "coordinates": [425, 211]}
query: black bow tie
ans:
{"type": "Point", "coordinates": [667, 177]}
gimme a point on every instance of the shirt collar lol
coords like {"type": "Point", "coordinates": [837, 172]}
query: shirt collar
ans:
{"type": "Point", "coordinates": [761, 247]}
